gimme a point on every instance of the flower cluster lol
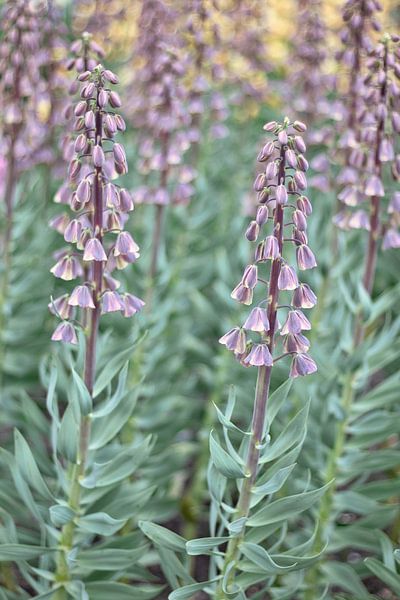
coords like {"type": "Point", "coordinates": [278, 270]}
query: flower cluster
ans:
{"type": "Point", "coordinates": [203, 41]}
{"type": "Point", "coordinates": [159, 108]}
{"type": "Point", "coordinates": [375, 147]}
{"type": "Point", "coordinates": [22, 87]}
{"type": "Point", "coordinates": [360, 21]}
{"type": "Point", "coordinates": [101, 209]}
{"type": "Point", "coordinates": [281, 201]}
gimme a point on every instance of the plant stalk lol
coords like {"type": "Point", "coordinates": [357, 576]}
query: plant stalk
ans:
{"type": "Point", "coordinates": [260, 403]}
{"type": "Point", "coordinates": [67, 534]}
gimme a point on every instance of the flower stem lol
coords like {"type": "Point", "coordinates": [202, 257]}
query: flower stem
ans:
{"type": "Point", "coordinates": [261, 399]}
{"type": "Point", "coordinates": [79, 469]}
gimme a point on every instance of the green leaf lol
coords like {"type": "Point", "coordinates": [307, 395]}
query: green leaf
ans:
{"type": "Point", "coordinates": [260, 557]}
{"type": "Point", "coordinates": [51, 394]}
{"type": "Point", "coordinates": [84, 397]}
{"type": "Point", "coordinates": [28, 467]}
{"type": "Point", "coordinates": [223, 462]}
{"type": "Point", "coordinates": [109, 559]}
{"type": "Point", "coordinates": [277, 398]}
{"type": "Point", "coordinates": [391, 578]}
{"type": "Point", "coordinates": [110, 590]}
{"type": "Point", "coordinates": [349, 580]}
{"type": "Point", "coordinates": [188, 590]}
{"type": "Point", "coordinates": [164, 537]}
{"type": "Point", "coordinates": [106, 428]}
{"type": "Point", "coordinates": [204, 545]}
{"type": "Point", "coordinates": [122, 466]}
{"type": "Point", "coordinates": [16, 552]}
{"type": "Point", "coordinates": [293, 433]}
{"type": "Point", "coordinates": [60, 515]}
{"type": "Point", "coordinates": [100, 523]}
{"type": "Point", "coordinates": [109, 405]}
{"type": "Point", "coordinates": [285, 508]}
{"type": "Point", "coordinates": [68, 435]}
{"type": "Point", "coordinates": [111, 369]}
{"type": "Point", "coordinates": [271, 486]}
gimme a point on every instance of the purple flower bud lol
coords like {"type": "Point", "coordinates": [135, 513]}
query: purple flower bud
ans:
{"type": "Point", "coordinates": [132, 304]}
{"type": "Point", "coordinates": [271, 171]}
{"type": "Point", "coordinates": [394, 204]}
{"type": "Point", "coordinates": [125, 244]}
{"type": "Point", "coordinates": [304, 297]}
{"type": "Point", "coordinates": [305, 258]}
{"type": "Point", "coordinates": [120, 123]}
{"type": "Point", "coordinates": [111, 302]}
{"type": "Point", "coordinates": [80, 108]}
{"type": "Point", "coordinates": [98, 156]}
{"type": "Point", "coordinates": [65, 332]}
{"type": "Point", "coordinates": [94, 251]}
{"type": "Point", "coordinates": [126, 200]}
{"type": "Point", "coordinates": [266, 152]}
{"type": "Point", "coordinates": [73, 231]}
{"type": "Point", "coordinates": [259, 356]}
{"type": "Point", "coordinates": [85, 76]}
{"type": "Point", "coordinates": [90, 120]}
{"type": "Point", "coordinates": [302, 364]}
{"type": "Point", "coordinates": [84, 191]}
{"type": "Point", "coordinates": [110, 76]}
{"type": "Point", "coordinates": [296, 342]}
{"type": "Point", "coordinates": [60, 307]}
{"type": "Point", "coordinates": [80, 143]}
{"type": "Point", "coordinates": [234, 340]}
{"type": "Point", "coordinates": [299, 144]}
{"type": "Point", "coordinates": [249, 278]}
{"type": "Point", "coordinates": [59, 223]}
{"type": "Point", "coordinates": [270, 126]}
{"type": "Point", "coordinates": [271, 248]}
{"type": "Point", "coordinates": [260, 182]}
{"type": "Point", "coordinates": [115, 100]}
{"type": "Point", "coordinates": [282, 138]}
{"type": "Point", "coordinates": [281, 194]}
{"type": "Point", "coordinates": [300, 180]}
{"type": "Point", "coordinates": [302, 163]}
{"type": "Point", "coordinates": [119, 153]}
{"type": "Point", "coordinates": [262, 215]}
{"type": "Point", "coordinates": [295, 322]}
{"type": "Point", "coordinates": [74, 169]}
{"type": "Point", "coordinates": [259, 253]}
{"type": "Point", "coordinates": [299, 220]}
{"type": "Point", "coordinates": [81, 296]}
{"type": "Point", "coordinates": [242, 294]}
{"type": "Point", "coordinates": [391, 239]}
{"type": "Point", "coordinates": [252, 231]}
{"type": "Point", "coordinates": [374, 186]}
{"type": "Point", "coordinates": [257, 320]}
{"type": "Point", "coordinates": [287, 279]}
{"type": "Point", "coordinates": [299, 126]}
{"type": "Point", "coordinates": [67, 268]}
{"type": "Point", "coordinates": [304, 205]}
{"type": "Point", "coordinates": [111, 196]}
{"type": "Point", "coordinates": [87, 91]}
{"type": "Point", "coordinates": [291, 158]}
{"type": "Point", "coordinates": [102, 98]}
{"type": "Point", "coordinates": [359, 220]}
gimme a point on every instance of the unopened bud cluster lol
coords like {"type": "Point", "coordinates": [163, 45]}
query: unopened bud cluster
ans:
{"type": "Point", "coordinates": [377, 146]}
{"type": "Point", "coordinates": [280, 222]}
{"type": "Point", "coordinates": [159, 109]}
{"type": "Point", "coordinates": [99, 244]}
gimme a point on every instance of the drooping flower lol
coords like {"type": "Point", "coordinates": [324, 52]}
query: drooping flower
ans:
{"type": "Point", "coordinates": [287, 205]}
{"type": "Point", "coordinates": [91, 191]}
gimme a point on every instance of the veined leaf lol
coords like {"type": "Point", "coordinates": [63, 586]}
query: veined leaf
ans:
{"type": "Point", "coordinates": [109, 559]}
{"type": "Point", "coordinates": [204, 545]}
{"type": "Point", "coordinates": [188, 590]}
{"type": "Point", "coordinates": [84, 398]}
{"type": "Point", "coordinates": [223, 462]}
{"type": "Point", "coordinates": [16, 552]}
{"type": "Point", "coordinates": [164, 537]}
{"type": "Point", "coordinates": [285, 508]}
{"type": "Point", "coordinates": [100, 523]}
{"type": "Point", "coordinates": [292, 434]}
{"type": "Point", "coordinates": [111, 590]}
{"type": "Point", "coordinates": [260, 557]}
{"type": "Point", "coordinates": [391, 578]}
{"type": "Point", "coordinates": [28, 467]}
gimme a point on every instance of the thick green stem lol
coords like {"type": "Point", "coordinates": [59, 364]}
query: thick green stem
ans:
{"type": "Point", "coordinates": [325, 509]}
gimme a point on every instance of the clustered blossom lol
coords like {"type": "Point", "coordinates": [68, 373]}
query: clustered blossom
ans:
{"type": "Point", "coordinates": [280, 191]}
{"type": "Point", "coordinates": [310, 84]}
{"type": "Point", "coordinates": [204, 40]}
{"type": "Point", "coordinates": [375, 147]}
{"type": "Point", "coordinates": [24, 92]}
{"type": "Point", "coordinates": [159, 107]}
{"type": "Point", "coordinates": [99, 244]}
{"type": "Point", "coordinates": [360, 21]}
